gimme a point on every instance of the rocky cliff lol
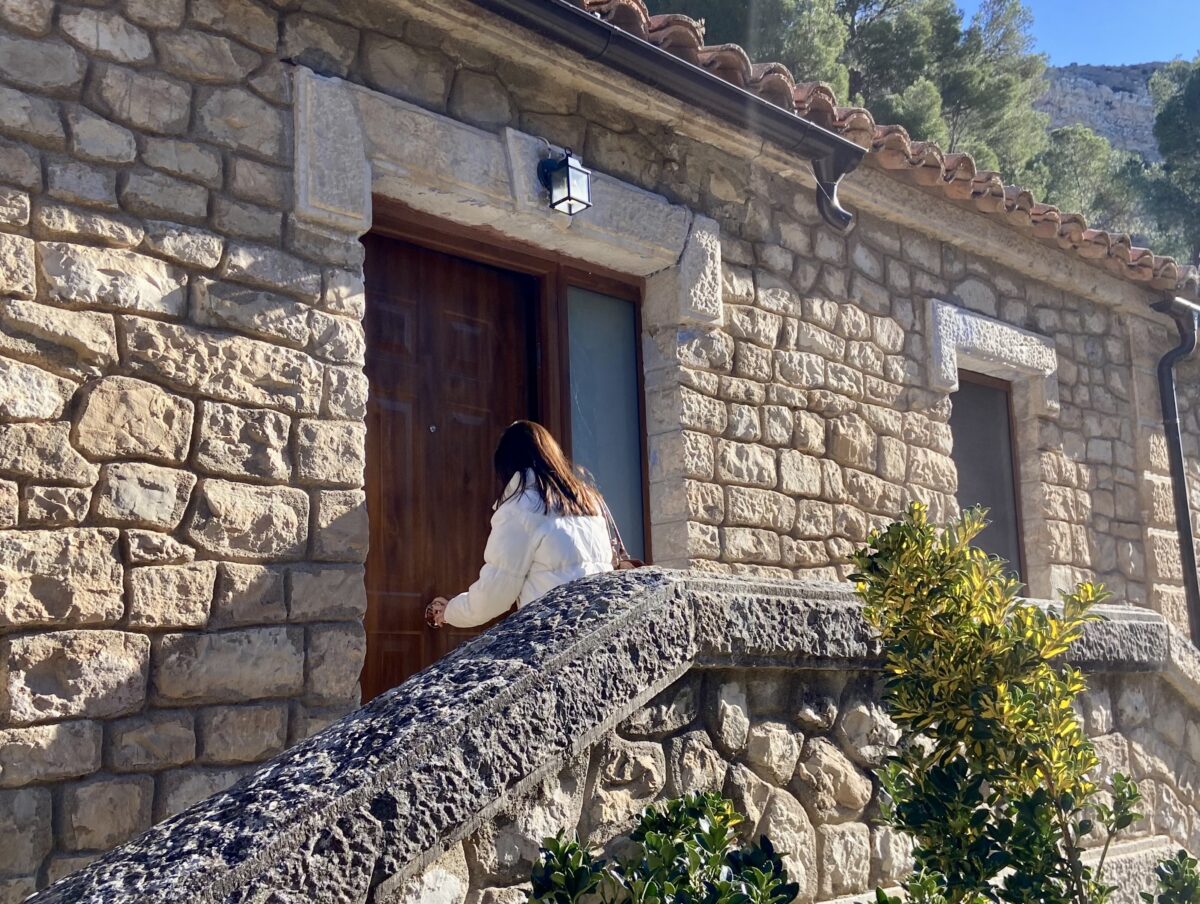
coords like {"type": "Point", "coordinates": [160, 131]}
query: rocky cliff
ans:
{"type": "Point", "coordinates": [1114, 101]}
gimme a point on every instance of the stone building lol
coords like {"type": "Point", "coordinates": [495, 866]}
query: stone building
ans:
{"type": "Point", "coordinates": [274, 273]}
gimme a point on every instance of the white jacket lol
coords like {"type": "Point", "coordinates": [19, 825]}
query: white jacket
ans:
{"type": "Point", "coordinates": [529, 553]}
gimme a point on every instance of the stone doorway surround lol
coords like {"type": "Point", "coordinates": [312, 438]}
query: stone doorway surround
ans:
{"type": "Point", "coordinates": [961, 339]}
{"type": "Point", "coordinates": [353, 143]}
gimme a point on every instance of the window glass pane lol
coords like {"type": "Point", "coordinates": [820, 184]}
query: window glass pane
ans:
{"type": "Point", "coordinates": [606, 423]}
{"type": "Point", "coordinates": [983, 454]}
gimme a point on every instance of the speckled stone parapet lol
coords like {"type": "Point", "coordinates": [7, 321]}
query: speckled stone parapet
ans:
{"type": "Point", "coordinates": [377, 796]}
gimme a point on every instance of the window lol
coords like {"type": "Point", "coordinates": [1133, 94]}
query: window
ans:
{"type": "Point", "coordinates": [606, 417]}
{"type": "Point", "coordinates": [981, 425]}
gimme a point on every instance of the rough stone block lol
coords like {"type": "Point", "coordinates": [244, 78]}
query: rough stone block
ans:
{"type": "Point", "coordinates": [786, 824]}
{"type": "Point", "coordinates": [188, 245]}
{"type": "Point", "coordinates": [107, 34]}
{"type": "Point", "coordinates": [16, 264]}
{"type": "Point", "coordinates": [772, 749]}
{"type": "Point", "coordinates": [10, 504]}
{"type": "Point", "coordinates": [247, 221]}
{"type": "Point", "coordinates": [144, 100]}
{"type": "Point", "coordinates": [326, 592]}
{"type": "Point", "coordinates": [82, 183]}
{"type": "Point", "coordinates": [149, 193]}
{"type": "Point", "coordinates": [344, 293]}
{"type": "Point", "coordinates": [341, 529]}
{"type": "Point", "coordinates": [629, 775]}
{"type": "Point", "coordinates": [61, 865]}
{"type": "Point", "coordinates": [345, 393]}
{"type": "Point", "coordinates": [50, 66]}
{"type": "Point", "coordinates": [103, 812]}
{"type": "Point", "coordinates": [64, 674]}
{"type": "Point", "coordinates": [28, 16]}
{"type": "Point", "coordinates": [181, 788]}
{"type": "Point", "coordinates": [258, 182]}
{"type": "Point", "coordinates": [238, 119]}
{"type": "Point", "coordinates": [251, 523]}
{"type": "Point", "coordinates": [43, 753]}
{"type": "Point", "coordinates": [331, 452]}
{"type": "Point", "coordinates": [77, 343]}
{"type": "Point", "coordinates": [337, 339]}
{"type": "Point", "coordinates": [746, 464]}
{"type": "Point", "coordinates": [14, 207]}
{"type": "Point", "coordinates": [229, 368]}
{"type": "Point", "coordinates": [270, 268]}
{"type": "Point", "coordinates": [198, 56]}
{"type": "Point", "coordinates": [60, 577]}
{"type": "Point", "coordinates": [95, 138]}
{"type": "Point", "coordinates": [43, 452]}
{"type": "Point", "coordinates": [249, 595]}
{"type": "Point", "coordinates": [241, 442]}
{"type": "Point", "coordinates": [830, 786]}
{"type": "Point", "coordinates": [120, 417]}
{"type": "Point", "coordinates": [254, 311]}
{"type": "Point", "coordinates": [185, 159]}
{"type": "Point", "coordinates": [111, 278]}
{"type": "Point", "coordinates": [845, 855]}
{"type": "Point", "coordinates": [54, 506]}
{"type": "Point", "coordinates": [151, 742]}
{"type": "Point", "coordinates": [241, 734]}
{"type": "Point", "coordinates": [319, 43]}
{"type": "Point", "coordinates": [133, 494]}
{"type": "Point", "coordinates": [242, 19]}
{"type": "Point", "coordinates": [143, 547]}
{"type": "Point", "coordinates": [25, 818]}
{"type": "Point", "coordinates": [231, 666]}
{"type": "Point", "coordinates": [171, 596]}
{"type": "Point", "coordinates": [58, 221]}
{"type": "Point", "coordinates": [30, 393]}
{"type": "Point", "coordinates": [335, 660]}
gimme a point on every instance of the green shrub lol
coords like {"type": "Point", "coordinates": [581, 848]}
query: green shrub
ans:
{"type": "Point", "coordinates": [684, 853]}
{"type": "Point", "coordinates": [994, 778]}
{"type": "Point", "coordinates": [1178, 881]}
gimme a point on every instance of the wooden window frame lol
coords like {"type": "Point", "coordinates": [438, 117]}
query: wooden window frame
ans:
{"type": "Point", "coordinates": [556, 274]}
{"type": "Point", "coordinates": [978, 379]}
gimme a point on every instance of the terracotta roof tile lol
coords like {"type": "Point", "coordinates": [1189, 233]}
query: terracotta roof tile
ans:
{"type": "Point", "coordinates": [891, 148]}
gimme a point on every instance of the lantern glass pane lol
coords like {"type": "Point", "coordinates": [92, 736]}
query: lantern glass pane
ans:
{"type": "Point", "coordinates": [559, 186]}
{"type": "Point", "coordinates": [580, 185]}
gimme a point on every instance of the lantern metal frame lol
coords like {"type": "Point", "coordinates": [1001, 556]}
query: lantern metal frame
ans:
{"type": "Point", "coordinates": [555, 173]}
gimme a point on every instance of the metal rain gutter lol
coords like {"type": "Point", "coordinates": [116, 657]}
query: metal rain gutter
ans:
{"type": "Point", "coordinates": [1186, 315]}
{"type": "Point", "coordinates": [832, 155]}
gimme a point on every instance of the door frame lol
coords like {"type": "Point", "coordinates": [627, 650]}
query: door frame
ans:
{"type": "Point", "coordinates": [556, 274]}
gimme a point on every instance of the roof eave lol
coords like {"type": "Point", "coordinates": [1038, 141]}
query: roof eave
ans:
{"type": "Point", "coordinates": [832, 155]}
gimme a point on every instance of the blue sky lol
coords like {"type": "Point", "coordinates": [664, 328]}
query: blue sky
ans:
{"type": "Point", "coordinates": [1115, 32]}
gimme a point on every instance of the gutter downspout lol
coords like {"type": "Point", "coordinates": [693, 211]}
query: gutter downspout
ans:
{"type": "Point", "coordinates": [566, 24]}
{"type": "Point", "coordinates": [1187, 318]}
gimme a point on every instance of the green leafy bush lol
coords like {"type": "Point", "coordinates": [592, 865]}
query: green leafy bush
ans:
{"type": "Point", "coordinates": [1178, 881]}
{"type": "Point", "coordinates": [994, 779]}
{"type": "Point", "coordinates": [684, 853]}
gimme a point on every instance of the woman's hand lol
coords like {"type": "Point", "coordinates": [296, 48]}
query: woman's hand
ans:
{"type": "Point", "coordinates": [435, 612]}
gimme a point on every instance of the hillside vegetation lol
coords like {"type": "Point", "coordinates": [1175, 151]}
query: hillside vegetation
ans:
{"type": "Point", "coordinates": [973, 86]}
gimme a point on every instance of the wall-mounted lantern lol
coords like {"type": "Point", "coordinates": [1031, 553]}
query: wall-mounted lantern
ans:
{"type": "Point", "coordinates": [567, 181]}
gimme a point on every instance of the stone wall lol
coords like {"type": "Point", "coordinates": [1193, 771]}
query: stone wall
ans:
{"type": "Point", "coordinates": [181, 425]}
{"type": "Point", "coordinates": [182, 521]}
{"type": "Point", "coordinates": [612, 694]}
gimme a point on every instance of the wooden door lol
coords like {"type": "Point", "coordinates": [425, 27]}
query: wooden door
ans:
{"type": "Point", "coordinates": [450, 360]}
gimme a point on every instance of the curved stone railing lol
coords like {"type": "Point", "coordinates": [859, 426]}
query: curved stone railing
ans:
{"type": "Point", "coordinates": [352, 813]}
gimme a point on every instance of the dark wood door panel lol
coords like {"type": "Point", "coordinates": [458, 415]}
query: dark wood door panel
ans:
{"type": "Point", "coordinates": [450, 363]}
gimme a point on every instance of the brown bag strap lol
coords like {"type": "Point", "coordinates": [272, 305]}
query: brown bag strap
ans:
{"type": "Point", "coordinates": [621, 558]}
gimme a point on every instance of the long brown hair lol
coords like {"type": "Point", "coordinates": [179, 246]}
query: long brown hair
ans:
{"type": "Point", "coordinates": [525, 448]}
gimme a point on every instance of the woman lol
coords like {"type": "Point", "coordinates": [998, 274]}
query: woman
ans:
{"type": "Point", "coordinates": [548, 528]}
